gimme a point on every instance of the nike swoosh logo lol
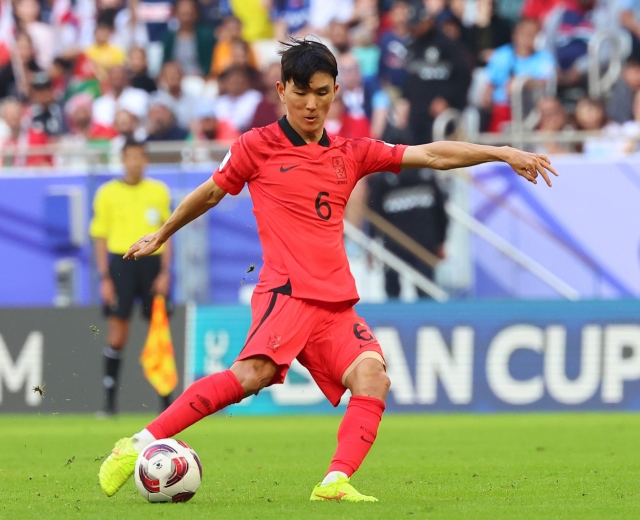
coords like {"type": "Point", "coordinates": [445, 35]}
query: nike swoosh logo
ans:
{"type": "Point", "coordinates": [283, 169]}
{"type": "Point", "coordinates": [366, 440]}
{"type": "Point", "coordinates": [195, 409]}
{"type": "Point", "coordinates": [366, 344]}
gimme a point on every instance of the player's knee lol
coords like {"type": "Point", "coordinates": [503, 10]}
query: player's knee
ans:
{"type": "Point", "coordinates": [254, 374]}
{"type": "Point", "coordinates": [369, 379]}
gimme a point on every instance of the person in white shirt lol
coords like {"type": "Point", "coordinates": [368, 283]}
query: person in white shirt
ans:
{"type": "Point", "coordinates": [238, 104]}
{"type": "Point", "coordinates": [170, 81]}
{"type": "Point", "coordinates": [119, 95]}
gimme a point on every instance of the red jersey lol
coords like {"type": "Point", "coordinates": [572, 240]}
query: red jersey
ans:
{"type": "Point", "coordinates": [299, 192]}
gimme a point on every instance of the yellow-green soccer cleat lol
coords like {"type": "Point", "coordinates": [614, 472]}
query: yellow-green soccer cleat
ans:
{"type": "Point", "coordinates": [118, 466]}
{"type": "Point", "coordinates": [340, 491]}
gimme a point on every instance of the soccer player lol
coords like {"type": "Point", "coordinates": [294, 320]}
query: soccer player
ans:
{"type": "Point", "coordinates": [123, 210]}
{"type": "Point", "coordinates": [300, 181]}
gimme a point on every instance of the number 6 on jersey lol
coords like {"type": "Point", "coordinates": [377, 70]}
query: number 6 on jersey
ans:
{"type": "Point", "coordinates": [323, 209]}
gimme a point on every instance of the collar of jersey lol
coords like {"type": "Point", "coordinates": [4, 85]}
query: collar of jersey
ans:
{"type": "Point", "coordinates": [295, 138]}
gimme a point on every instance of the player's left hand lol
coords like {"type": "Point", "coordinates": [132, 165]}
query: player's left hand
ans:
{"type": "Point", "coordinates": [530, 165]}
{"type": "Point", "coordinates": [160, 285]}
{"type": "Point", "coordinates": [146, 246]}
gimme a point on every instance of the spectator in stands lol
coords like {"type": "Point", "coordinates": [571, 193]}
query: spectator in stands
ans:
{"type": "Point", "coordinates": [78, 111]}
{"type": "Point", "coordinates": [291, 18]}
{"type": "Point", "coordinates": [213, 12]}
{"type": "Point", "coordinates": [538, 9]}
{"type": "Point", "coordinates": [155, 14]}
{"type": "Point", "coordinates": [620, 102]}
{"type": "Point", "coordinates": [338, 33]}
{"type": "Point", "coordinates": [630, 20]}
{"type": "Point", "coordinates": [340, 123]}
{"type": "Point", "coordinates": [237, 105]}
{"type": "Point", "coordinates": [414, 203]}
{"type": "Point", "coordinates": [451, 26]}
{"type": "Point", "coordinates": [553, 118]}
{"type": "Point", "coordinates": [19, 138]}
{"type": "Point", "coordinates": [591, 116]}
{"type": "Point", "coordinates": [207, 127]}
{"type": "Point", "coordinates": [488, 31]}
{"type": "Point", "coordinates": [323, 12]}
{"type": "Point", "coordinates": [129, 29]}
{"type": "Point", "coordinates": [393, 46]}
{"type": "Point", "coordinates": [102, 54]}
{"type": "Point", "coordinates": [517, 59]}
{"type": "Point", "coordinates": [139, 72]}
{"type": "Point", "coordinates": [191, 44]}
{"type": "Point", "coordinates": [357, 96]}
{"type": "Point", "coordinates": [23, 61]}
{"type": "Point", "coordinates": [570, 33]}
{"type": "Point", "coordinates": [396, 128]}
{"type": "Point", "coordinates": [120, 94]}
{"type": "Point", "coordinates": [365, 50]}
{"type": "Point", "coordinates": [631, 129]}
{"type": "Point", "coordinates": [127, 125]}
{"type": "Point", "coordinates": [230, 49]}
{"type": "Point", "coordinates": [255, 18]}
{"type": "Point", "coordinates": [27, 13]}
{"type": "Point", "coordinates": [46, 113]}
{"type": "Point", "coordinates": [438, 78]}
{"type": "Point", "coordinates": [161, 120]}
{"type": "Point", "coordinates": [271, 108]}
{"type": "Point", "coordinates": [60, 74]}
{"type": "Point", "coordinates": [184, 105]}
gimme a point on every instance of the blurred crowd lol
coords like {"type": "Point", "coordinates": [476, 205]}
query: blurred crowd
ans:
{"type": "Point", "coordinates": [90, 72]}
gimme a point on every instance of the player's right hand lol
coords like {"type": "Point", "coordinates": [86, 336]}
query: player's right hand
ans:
{"type": "Point", "coordinates": [146, 246]}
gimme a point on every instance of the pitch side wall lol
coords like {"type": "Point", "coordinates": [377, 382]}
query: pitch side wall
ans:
{"type": "Point", "coordinates": [58, 347]}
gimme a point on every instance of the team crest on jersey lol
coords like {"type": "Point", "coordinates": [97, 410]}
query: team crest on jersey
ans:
{"type": "Point", "coordinates": [274, 341]}
{"type": "Point", "coordinates": [339, 168]}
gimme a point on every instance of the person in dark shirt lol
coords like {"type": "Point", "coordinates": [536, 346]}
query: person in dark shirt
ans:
{"type": "Point", "coordinates": [162, 125]}
{"type": "Point", "coordinates": [438, 78]}
{"type": "Point", "coordinates": [414, 203]}
{"type": "Point", "coordinates": [46, 114]}
{"type": "Point", "coordinates": [138, 69]}
{"type": "Point", "coordinates": [192, 43]}
{"type": "Point", "coordinates": [393, 46]}
{"type": "Point", "coordinates": [22, 60]}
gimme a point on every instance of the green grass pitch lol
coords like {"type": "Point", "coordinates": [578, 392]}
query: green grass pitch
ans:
{"type": "Point", "coordinates": [422, 466]}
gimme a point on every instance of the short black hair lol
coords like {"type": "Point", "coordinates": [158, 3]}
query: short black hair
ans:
{"type": "Point", "coordinates": [133, 143]}
{"type": "Point", "coordinates": [301, 59]}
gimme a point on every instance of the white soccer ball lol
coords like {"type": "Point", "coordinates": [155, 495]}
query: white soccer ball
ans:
{"type": "Point", "coordinates": [168, 470]}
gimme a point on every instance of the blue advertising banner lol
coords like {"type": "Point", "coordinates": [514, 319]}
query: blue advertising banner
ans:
{"type": "Point", "coordinates": [461, 356]}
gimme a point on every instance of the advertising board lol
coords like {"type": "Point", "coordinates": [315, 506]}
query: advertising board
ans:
{"type": "Point", "coordinates": [461, 356]}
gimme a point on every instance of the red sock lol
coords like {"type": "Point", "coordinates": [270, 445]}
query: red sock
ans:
{"type": "Point", "coordinates": [202, 398]}
{"type": "Point", "coordinates": [357, 433]}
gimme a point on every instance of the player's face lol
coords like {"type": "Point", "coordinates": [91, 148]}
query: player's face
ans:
{"type": "Point", "coordinates": [307, 108]}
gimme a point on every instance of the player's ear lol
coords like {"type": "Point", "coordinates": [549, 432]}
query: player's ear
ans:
{"type": "Point", "coordinates": [280, 89]}
{"type": "Point", "coordinates": [336, 86]}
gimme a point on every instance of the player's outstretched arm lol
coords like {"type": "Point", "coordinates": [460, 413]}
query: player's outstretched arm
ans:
{"type": "Point", "coordinates": [445, 155]}
{"type": "Point", "coordinates": [199, 201]}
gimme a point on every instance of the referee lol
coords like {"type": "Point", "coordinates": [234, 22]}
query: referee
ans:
{"type": "Point", "coordinates": [124, 209]}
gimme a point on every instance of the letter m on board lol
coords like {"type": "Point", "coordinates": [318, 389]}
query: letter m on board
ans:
{"type": "Point", "coordinates": [27, 369]}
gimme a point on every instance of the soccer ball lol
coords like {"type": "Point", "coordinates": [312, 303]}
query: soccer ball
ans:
{"type": "Point", "coordinates": [168, 470]}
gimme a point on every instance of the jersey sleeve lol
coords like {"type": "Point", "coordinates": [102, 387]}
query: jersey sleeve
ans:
{"type": "Point", "coordinates": [376, 156]}
{"type": "Point", "coordinates": [99, 227]}
{"type": "Point", "coordinates": [240, 165]}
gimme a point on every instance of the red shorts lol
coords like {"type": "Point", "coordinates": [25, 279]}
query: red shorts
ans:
{"type": "Point", "coordinates": [325, 337]}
